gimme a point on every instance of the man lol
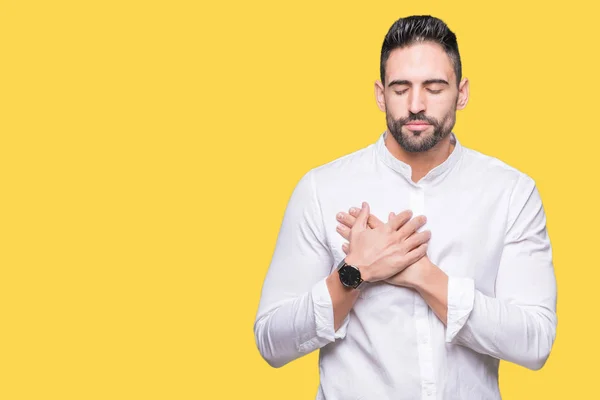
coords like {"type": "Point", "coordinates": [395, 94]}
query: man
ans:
{"type": "Point", "coordinates": [458, 277]}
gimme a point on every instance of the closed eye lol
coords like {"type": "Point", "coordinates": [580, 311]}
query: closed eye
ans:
{"type": "Point", "coordinates": [434, 91]}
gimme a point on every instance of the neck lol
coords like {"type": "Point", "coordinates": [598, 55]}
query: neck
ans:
{"type": "Point", "coordinates": [422, 162]}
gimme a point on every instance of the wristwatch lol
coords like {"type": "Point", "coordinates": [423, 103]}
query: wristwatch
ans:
{"type": "Point", "coordinates": [350, 276]}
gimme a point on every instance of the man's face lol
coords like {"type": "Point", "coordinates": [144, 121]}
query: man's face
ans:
{"type": "Point", "coordinates": [420, 96]}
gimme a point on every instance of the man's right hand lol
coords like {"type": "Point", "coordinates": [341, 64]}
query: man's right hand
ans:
{"type": "Point", "coordinates": [388, 249]}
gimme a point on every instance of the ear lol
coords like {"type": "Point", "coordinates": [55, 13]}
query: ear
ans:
{"type": "Point", "coordinates": [380, 95]}
{"type": "Point", "coordinates": [463, 94]}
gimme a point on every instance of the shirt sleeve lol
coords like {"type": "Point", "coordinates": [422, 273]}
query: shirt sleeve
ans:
{"type": "Point", "coordinates": [295, 313]}
{"type": "Point", "coordinates": [518, 324]}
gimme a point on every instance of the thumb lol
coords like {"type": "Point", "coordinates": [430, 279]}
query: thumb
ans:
{"type": "Point", "coordinates": [363, 216]}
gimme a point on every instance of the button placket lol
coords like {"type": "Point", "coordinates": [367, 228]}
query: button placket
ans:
{"type": "Point", "coordinates": [424, 348]}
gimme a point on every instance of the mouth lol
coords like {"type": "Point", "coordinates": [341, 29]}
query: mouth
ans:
{"type": "Point", "coordinates": [417, 126]}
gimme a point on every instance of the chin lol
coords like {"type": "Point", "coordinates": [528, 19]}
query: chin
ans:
{"type": "Point", "coordinates": [418, 144]}
{"type": "Point", "coordinates": [413, 138]}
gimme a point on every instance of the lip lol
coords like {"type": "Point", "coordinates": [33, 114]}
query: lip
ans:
{"type": "Point", "coordinates": [418, 126]}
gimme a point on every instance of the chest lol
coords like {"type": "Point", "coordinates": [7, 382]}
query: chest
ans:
{"type": "Point", "coordinates": [467, 226]}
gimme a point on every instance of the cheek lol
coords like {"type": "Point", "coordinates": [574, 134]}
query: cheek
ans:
{"type": "Point", "coordinates": [396, 106]}
{"type": "Point", "coordinates": [440, 107]}
{"type": "Point", "coordinates": [441, 102]}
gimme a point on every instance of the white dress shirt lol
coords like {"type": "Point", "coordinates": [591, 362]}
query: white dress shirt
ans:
{"type": "Point", "coordinates": [489, 236]}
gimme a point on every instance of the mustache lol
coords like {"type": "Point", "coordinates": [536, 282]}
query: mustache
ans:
{"type": "Point", "coordinates": [418, 117]}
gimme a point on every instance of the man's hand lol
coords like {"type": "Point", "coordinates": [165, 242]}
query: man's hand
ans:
{"type": "Point", "coordinates": [414, 275]}
{"type": "Point", "coordinates": [410, 276]}
{"type": "Point", "coordinates": [388, 248]}
{"type": "Point", "coordinates": [422, 275]}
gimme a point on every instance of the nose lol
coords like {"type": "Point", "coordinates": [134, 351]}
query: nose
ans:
{"type": "Point", "coordinates": [416, 102]}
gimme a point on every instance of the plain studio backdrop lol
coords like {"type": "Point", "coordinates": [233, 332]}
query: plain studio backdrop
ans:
{"type": "Point", "coordinates": [148, 150]}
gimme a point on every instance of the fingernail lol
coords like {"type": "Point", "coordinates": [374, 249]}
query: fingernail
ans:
{"type": "Point", "coordinates": [340, 227]}
{"type": "Point", "coordinates": [340, 216]}
{"type": "Point", "coordinates": [364, 205]}
{"type": "Point", "coordinates": [353, 210]}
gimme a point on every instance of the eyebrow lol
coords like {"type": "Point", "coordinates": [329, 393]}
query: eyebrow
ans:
{"type": "Point", "coordinates": [408, 83]}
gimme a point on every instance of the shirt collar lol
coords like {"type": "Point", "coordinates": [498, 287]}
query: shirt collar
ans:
{"type": "Point", "coordinates": [405, 170]}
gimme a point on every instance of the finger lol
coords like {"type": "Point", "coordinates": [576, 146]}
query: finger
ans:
{"type": "Point", "coordinates": [346, 219]}
{"type": "Point", "coordinates": [345, 248]}
{"type": "Point", "coordinates": [411, 227]}
{"type": "Point", "coordinates": [372, 222]}
{"type": "Point", "coordinates": [398, 220]}
{"type": "Point", "coordinates": [416, 254]}
{"type": "Point", "coordinates": [417, 239]}
{"type": "Point", "coordinates": [344, 231]}
{"type": "Point", "coordinates": [361, 220]}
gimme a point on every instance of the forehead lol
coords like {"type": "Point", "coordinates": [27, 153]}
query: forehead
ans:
{"type": "Point", "coordinates": [419, 62]}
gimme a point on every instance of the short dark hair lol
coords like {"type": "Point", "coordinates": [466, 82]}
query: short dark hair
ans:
{"type": "Point", "coordinates": [420, 28]}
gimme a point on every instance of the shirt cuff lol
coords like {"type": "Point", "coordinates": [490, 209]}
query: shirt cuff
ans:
{"type": "Point", "coordinates": [323, 309]}
{"type": "Point", "coordinates": [461, 297]}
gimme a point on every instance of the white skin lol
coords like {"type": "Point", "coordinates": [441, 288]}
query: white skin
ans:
{"type": "Point", "coordinates": [419, 80]}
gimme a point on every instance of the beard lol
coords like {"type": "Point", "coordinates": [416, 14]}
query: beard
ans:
{"type": "Point", "coordinates": [420, 141]}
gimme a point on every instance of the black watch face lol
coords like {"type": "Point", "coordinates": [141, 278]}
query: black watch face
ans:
{"type": "Point", "coordinates": [349, 276]}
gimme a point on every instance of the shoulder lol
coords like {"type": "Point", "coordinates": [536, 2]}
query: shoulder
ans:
{"type": "Point", "coordinates": [493, 172]}
{"type": "Point", "coordinates": [345, 167]}
{"type": "Point", "coordinates": [336, 172]}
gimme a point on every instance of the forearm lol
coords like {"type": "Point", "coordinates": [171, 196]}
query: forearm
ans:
{"type": "Point", "coordinates": [516, 333]}
{"type": "Point", "coordinates": [342, 299]}
{"type": "Point", "coordinates": [297, 327]}
{"type": "Point", "coordinates": [522, 334]}
{"type": "Point", "coordinates": [433, 287]}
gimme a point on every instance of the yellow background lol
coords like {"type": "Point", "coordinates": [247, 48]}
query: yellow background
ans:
{"type": "Point", "coordinates": [148, 150]}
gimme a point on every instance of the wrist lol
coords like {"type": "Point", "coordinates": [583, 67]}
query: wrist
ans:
{"type": "Point", "coordinates": [362, 268]}
{"type": "Point", "coordinates": [429, 277]}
